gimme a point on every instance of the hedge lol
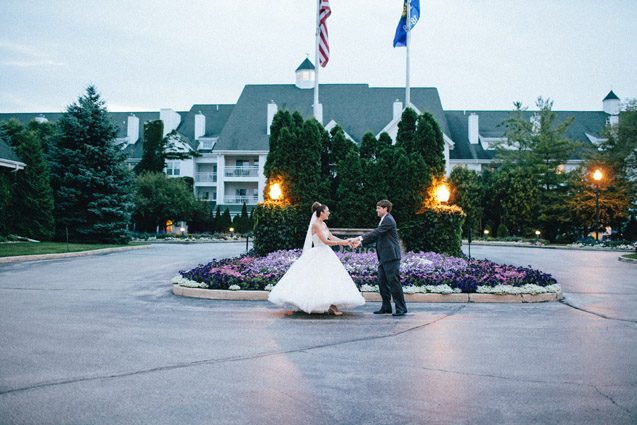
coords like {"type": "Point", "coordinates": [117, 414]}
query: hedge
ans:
{"type": "Point", "coordinates": [437, 229]}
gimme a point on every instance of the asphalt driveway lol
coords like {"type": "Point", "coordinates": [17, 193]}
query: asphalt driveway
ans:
{"type": "Point", "coordinates": [102, 340]}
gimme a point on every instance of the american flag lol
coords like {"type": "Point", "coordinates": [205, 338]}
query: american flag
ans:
{"type": "Point", "coordinates": [324, 47]}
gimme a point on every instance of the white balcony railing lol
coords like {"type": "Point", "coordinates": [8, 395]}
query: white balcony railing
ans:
{"type": "Point", "coordinates": [250, 171]}
{"type": "Point", "coordinates": [241, 199]}
{"type": "Point", "coordinates": [206, 177]}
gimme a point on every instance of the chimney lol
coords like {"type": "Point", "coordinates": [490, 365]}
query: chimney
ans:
{"type": "Point", "coordinates": [398, 108]}
{"type": "Point", "coordinates": [132, 129]}
{"type": "Point", "coordinates": [40, 119]}
{"type": "Point", "coordinates": [170, 118]}
{"type": "Point", "coordinates": [272, 110]}
{"type": "Point", "coordinates": [474, 129]}
{"type": "Point", "coordinates": [200, 125]}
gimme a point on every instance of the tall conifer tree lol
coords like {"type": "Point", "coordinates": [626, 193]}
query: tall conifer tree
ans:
{"type": "Point", "coordinates": [91, 182]}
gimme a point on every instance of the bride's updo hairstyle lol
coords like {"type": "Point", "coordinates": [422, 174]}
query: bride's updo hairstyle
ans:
{"type": "Point", "coordinates": [318, 208]}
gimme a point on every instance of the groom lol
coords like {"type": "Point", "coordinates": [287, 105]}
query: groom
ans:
{"type": "Point", "coordinates": [388, 252]}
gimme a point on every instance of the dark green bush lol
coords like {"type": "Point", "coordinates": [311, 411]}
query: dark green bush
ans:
{"type": "Point", "coordinates": [437, 229]}
{"type": "Point", "coordinates": [279, 227]}
{"type": "Point", "coordinates": [503, 231]}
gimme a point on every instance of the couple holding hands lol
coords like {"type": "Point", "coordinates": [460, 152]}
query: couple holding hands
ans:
{"type": "Point", "coordinates": [317, 281]}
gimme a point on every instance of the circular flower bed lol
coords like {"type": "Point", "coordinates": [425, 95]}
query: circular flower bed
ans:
{"type": "Point", "coordinates": [420, 273]}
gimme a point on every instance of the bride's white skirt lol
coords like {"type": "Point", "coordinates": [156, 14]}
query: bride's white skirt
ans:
{"type": "Point", "coordinates": [316, 281]}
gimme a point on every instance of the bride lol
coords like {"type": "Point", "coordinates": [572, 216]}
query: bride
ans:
{"type": "Point", "coordinates": [317, 282]}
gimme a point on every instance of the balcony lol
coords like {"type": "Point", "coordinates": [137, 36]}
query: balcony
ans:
{"type": "Point", "coordinates": [206, 177]}
{"type": "Point", "coordinates": [250, 171]}
{"type": "Point", "coordinates": [241, 199]}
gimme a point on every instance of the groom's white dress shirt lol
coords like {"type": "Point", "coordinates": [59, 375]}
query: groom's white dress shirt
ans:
{"type": "Point", "coordinates": [360, 238]}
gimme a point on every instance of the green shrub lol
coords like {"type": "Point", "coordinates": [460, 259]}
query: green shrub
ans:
{"type": "Point", "coordinates": [437, 229]}
{"type": "Point", "coordinates": [279, 227]}
{"type": "Point", "coordinates": [503, 231]}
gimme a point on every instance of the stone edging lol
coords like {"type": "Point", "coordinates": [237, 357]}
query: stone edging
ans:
{"type": "Point", "coordinates": [529, 245]}
{"type": "Point", "coordinates": [627, 260]}
{"type": "Point", "coordinates": [38, 257]}
{"type": "Point", "coordinates": [215, 294]}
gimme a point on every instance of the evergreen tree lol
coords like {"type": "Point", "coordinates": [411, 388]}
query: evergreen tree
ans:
{"type": "Point", "coordinates": [540, 148]}
{"type": "Point", "coordinates": [6, 194]}
{"type": "Point", "coordinates": [350, 209]}
{"type": "Point", "coordinates": [158, 149]}
{"type": "Point", "coordinates": [90, 179]}
{"type": "Point", "coordinates": [406, 135]}
{"type": "Point", "coordinates": [430, 144]}
{"type": "Point", "coordinates": [295, 157]}
{"type": "Point", "coordinates": [244, 220]}
{"type": "Point", "coordinates": [153, 155]}
{"type": "Point", "coordinates": [466, 193]}
{"type": "Point", "coordinates": [225, 221]}
{"type": "Point", "coordinates": [369, 147]}
{"type": "Point", "coordinates": [32, 204]}
{"type": "Point", "coordinates": [218, 225]}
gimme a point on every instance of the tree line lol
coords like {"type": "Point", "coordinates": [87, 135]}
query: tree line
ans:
{"type": "Point", "coordinates": [313, 164]}
{"type": "Point", "coordinates": [527, 189]}
{"type": "Point", "coordinates": [77, 186]}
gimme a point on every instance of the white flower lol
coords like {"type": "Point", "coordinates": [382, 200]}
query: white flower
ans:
{"type": "Point", "coordinates": [369, 288]}
{"type": "Point", "coordinates": [515, 290]}
{"type": "Point", "coordinates": [234, 287]}
{"type": "Point", "coordinates": [269, 287]}
{"type": "Point", "coordinates": [187, 283]}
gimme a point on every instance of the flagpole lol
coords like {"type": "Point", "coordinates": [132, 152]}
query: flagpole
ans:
{"type": "Point", "coordinates": [316, 61]}
{"type": "Point", "coordinates": [408, 22]}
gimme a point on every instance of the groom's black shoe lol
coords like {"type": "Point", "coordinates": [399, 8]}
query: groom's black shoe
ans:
{"type": "Point", "coordinates": [400, 313]}
{"type": "Point", "coordinates": [382, 311]}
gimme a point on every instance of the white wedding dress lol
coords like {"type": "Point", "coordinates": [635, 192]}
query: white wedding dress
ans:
{"type": "Point", "coordinates": [315, 281]}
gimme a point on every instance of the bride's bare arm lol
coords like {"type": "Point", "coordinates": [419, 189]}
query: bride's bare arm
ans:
{"type": "Point", "coordinates": [316, 229]}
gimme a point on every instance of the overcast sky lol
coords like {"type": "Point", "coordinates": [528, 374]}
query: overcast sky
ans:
{"type": "Point", "coordinates": [151, 54]}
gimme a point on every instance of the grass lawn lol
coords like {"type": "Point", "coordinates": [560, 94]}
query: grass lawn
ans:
{"type": "Point", "coordinates": [633, 256]}
{"type": "Point", "coordinates": [32, 248]}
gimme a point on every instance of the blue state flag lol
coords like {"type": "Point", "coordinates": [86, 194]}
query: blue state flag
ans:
{"type": "Point", "coordinates": [400, 39]}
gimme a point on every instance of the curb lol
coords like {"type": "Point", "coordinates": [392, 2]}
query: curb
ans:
{"type": "Point", "coordinates": [217, 294]}
{"type": "Point", "coordinates": [39, 257]}
{"type": "Point", "coordinates": [522, 245]}
{"type": "Point", "coordinates": [627, 260]}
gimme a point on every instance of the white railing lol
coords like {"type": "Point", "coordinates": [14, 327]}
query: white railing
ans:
{"type": "Point", "coordinates": [206, 177]}
{"type": "Point", "coordinates": [241, 199]}
{"type": "Point", "coordinates": [250, 171]}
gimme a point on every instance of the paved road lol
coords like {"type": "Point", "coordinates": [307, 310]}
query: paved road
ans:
{"type": "Point", "coordinates": [101, 340]}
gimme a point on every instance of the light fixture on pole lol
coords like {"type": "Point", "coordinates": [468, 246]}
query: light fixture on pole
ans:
{"type": "Point", "coordinates": [442, 193]}
{"type": "Point", "coordinates": [597, 176]}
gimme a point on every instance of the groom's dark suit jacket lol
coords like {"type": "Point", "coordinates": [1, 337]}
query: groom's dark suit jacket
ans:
{"type": "Point", "coordinates": [386, 237]}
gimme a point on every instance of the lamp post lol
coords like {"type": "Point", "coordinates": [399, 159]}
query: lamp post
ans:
{"type": "Point", "coordinates": [597, 176]}
{"type": "Point", "coordinates": [537, 235]}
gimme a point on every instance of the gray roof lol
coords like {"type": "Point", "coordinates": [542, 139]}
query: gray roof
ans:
{"type": "Point", "coordinates": [357, 108]}
{"type": "Point", "coordinates": [490, 125]}
{"type": "Point", "coordinates": [7, 152]}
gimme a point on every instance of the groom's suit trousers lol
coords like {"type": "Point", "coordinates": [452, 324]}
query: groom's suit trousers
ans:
{"type": "Point", "coordinates": [389, 285]}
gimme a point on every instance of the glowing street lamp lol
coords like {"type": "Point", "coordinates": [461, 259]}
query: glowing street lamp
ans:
{"type": "Point", "coordinates": [537, 234]}
{"type": "Point", "coordinates": [486, 233]}
{"type": "Point", "coordinates": [597, 176]}
{"type": "Point", "coordinates": [275, 193]}
{"type": "Point", "coordinates": [442, 193]}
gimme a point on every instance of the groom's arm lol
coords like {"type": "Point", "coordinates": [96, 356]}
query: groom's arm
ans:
{"type": "Point", "coordinates": [372, 236]}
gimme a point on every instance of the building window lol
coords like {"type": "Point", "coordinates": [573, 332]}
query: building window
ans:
{"type": "Point", "coordinates": [240, 163]}
{"type": "Point", "coordinates": [242, 192]}
{"type": "Point", "coordinates": [172, 168]}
